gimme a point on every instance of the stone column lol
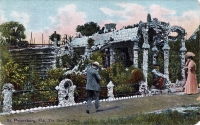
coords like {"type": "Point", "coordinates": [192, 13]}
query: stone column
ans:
{"type": "Point", "coordinates": [182, 56]}
{"type": "Point", "coordinates": [110, 87]}
{"type": "Point", "coordinates": [55, 42]}
{"type": "Point", "coordinates": [135, 54]}
{"type": "Point", "coordinates": [8, 90]}
{"type": "Point", "coordinates": [166, 49]}
{"type": "Point", "coordinates": [145, 48]}
{"type": "Point", "coordinates": [112, 58]}
{"type": "Point", "coordinates": [145, 63]}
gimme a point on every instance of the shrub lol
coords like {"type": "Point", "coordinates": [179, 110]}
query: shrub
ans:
{"type": "Point", "coordinates": [80, 81]}
{"type": "Point", "coordinates": [13, 73]}
{"type": "Point", "coordinates": [136, 76]}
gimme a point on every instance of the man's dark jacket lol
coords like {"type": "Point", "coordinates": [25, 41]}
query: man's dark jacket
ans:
{"type": "Point", "coordinates": [93, 79]}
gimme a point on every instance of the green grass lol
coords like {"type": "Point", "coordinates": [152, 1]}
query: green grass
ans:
{"type": "Point", "coordinates": [168, 117]}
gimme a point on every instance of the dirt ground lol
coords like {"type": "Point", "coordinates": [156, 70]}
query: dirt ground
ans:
{"type": "Point", "coordinates": [113, 109]}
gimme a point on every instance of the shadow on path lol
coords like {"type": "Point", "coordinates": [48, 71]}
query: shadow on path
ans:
{"type": "Point", "coordinates": [111, 108]}
{"type": "Point", "coordinates": [105, 109]}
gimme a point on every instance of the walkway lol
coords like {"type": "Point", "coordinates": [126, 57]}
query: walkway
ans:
{"type": "Point", "coordinates": [113, 109]}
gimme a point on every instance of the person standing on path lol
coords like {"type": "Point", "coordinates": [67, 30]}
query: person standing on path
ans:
{"type": "Point", "coordinates": [191, 86]}
{"type": "Point", "coordinates": [92, 86]}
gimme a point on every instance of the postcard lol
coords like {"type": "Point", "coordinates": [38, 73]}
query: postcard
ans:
{"type": "Point", "coordinates": [93, 62]}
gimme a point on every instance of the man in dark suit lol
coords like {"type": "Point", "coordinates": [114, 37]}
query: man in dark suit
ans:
{"type": "Point", "coordinates": [93, 87]}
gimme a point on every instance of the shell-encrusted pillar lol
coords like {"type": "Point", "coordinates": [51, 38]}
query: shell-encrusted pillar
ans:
{"type": "Point", "coordinates": [55, 42]}
{"type": "Point", "coordinates": [8, 90]}
{"type": "Point", "coordinates": [145, 48]}
{"type": "Point", "coordinates": [182, 56]}
{"type": "Point", "coordinates": [166, 49]}
{"type": "Point", "coordinates": [135, 54]}
{"type": "Point", "coordinates": [112, 58]}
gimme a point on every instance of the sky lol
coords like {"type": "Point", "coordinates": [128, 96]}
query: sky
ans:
{"type": "Point", "coordinates": [43, 17]}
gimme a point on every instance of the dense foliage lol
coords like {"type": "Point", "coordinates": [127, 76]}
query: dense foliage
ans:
{"type": "Point", "coordinates": [174, 61]}
{"type": "Point", "coordinates": [41, 92]}
{"type": "Point", "coordinates": [11, 72]}
{"type": "Point", "coordinates": [123, 78]}
{"type": "Point", "coordinates": [80, 81]}
{"type": "Point", "coordinates": [57, 36]}
{"type": "Point", "coordinates": [193, 45]}
{"type": "Point", "coordinates": [90, 42]}
{"type": "Point", "coordinates": [13, 32]}
{"type": "Point", "coordinates": [88, 28]}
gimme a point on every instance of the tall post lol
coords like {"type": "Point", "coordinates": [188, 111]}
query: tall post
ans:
{"type": "Point", "coordinates": [166, 49]}
{"type": "Point", "coordinates": [145, 48]}
{"type": "Point", "coordinates": [112, 59]}
{"type": "Point", "coordinates": [31, 38]}
{"type": "Point", "coordinates": [182, 56]}
{"type": "Point", "coordinates": [42, 39]}
{"type": "Point", "coordinates": [135, 54]}
{"type": "Point", "coordinates": [49, 40]}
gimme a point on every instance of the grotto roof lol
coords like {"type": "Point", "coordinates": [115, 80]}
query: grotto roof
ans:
{"type": "Point", "coordinates": [114, 36]}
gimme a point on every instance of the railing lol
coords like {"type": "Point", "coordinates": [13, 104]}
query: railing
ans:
{"type": "Point", "coordinates": [21, 99]}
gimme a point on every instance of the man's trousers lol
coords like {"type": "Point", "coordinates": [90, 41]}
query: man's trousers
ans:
{"type": "Point", "coordinates": [92, 95]}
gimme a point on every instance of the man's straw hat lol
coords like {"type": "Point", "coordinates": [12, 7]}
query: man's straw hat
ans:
{"type": "Point", "coordinates": [96, 63]}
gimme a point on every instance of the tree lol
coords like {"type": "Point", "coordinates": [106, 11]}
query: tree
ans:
{"type": "Point", "coordinates": [67, 39]}
{"type": "Point", "coordinates": [13, 32]}
{"type": "Point", "coordinates": [55, 35]}
{"type": "Point", "coordinates": [70, 39]}
{"type": "Point", "coordinates": [90, 42]}
{"type": "Point", "coordinates": [11, 72]}
{"type": "Point", "coordinates": [110, 26]}
{"type": "Point", "coordinates": [88, 28]}
{"type": "Point", "coordinates": [3, 57]}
